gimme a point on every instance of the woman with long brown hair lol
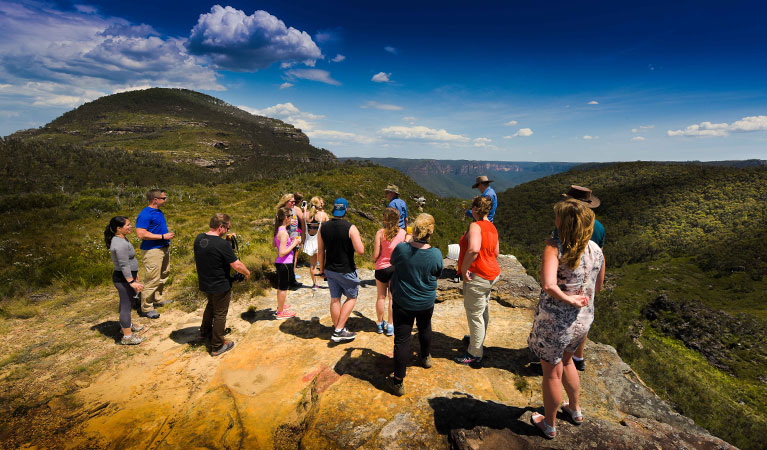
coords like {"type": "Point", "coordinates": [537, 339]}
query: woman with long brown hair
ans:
{"type": "Point", "coordinates": [387, 237]}
{"type": "Point", "coordinates": [572, 271]}
{"type": "Point", "coordinates": [125, 275]}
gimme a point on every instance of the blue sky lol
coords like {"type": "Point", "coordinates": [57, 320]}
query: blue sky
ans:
{"type": "Point", "coordinates": [513, 80]}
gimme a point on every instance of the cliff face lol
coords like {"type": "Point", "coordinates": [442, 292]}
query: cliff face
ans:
{"type": "Point", "coordinates": [286, 385]}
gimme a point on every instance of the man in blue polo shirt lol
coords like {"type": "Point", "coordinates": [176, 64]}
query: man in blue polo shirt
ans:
{"type": "Point", "coordinates": [152, 229]}
{"type": "Point", "coordinates": [482, 184]}
{"type": "Point", "coordinates": [392, 196]}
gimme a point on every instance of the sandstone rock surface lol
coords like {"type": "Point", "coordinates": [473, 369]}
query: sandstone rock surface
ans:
{"type": "Point", "coordinates": [285, 385]}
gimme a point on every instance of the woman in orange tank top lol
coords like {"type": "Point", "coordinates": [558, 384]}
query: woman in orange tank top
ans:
{"type": "Point", "coordinates": [478, 263]}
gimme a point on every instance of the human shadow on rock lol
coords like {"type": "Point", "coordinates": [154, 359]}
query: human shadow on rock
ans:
{"type": "Point", "coordinates": [253, 316]}
{"type": "Point", "coordinates": [368, 365]}
{"type": "Point", "coordinates": [462, 411]}
{"type": "Point", "coordinates": [313, 329]}
{"type": "Point", "coordinates": [110, 329]}
{"type": "Point", "coordinates": [520, 361]}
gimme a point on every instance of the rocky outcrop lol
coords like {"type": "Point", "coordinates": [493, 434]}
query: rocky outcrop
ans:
{"type": "Point", "coordinates": [515, 288]}
{"type": "Point", "coordinates": [286, 385]}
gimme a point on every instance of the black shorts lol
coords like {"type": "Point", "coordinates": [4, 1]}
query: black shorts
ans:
{"type": "Point", "coordinates": [284, 275]}
{"type": "Point", "coordinates": [384, 275]}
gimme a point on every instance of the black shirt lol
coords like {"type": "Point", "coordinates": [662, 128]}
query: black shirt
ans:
{"type": "Point", "coordinates": [339, 251]}
{"type": "Point", "coordinates": [213, 257]}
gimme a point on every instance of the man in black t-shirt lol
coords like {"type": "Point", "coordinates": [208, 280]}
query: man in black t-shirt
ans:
{"type": "Point", "coordinates": [213, 257]}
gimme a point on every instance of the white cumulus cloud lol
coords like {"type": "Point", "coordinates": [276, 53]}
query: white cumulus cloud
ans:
{"type": "Point", "coordinates": [482, 142]}
{"type": "Point", "coordinates": [709, 129]}
{"type": "Point", "coordinates": [638, 138]}
{"type": "Point", "coordinates": [381, 77]}
{"type": "Point", "coordinates": [522, 132]}
{"type": "Point", "coordinates": [289, 113]}
{"type": "Point", "coordinates": [511, 123]}
{"type": "Point", "coordinates": [323, 76]}
{"type": "Point", "coordinates": [239, 42]}
{"type": "Point", "coordinates": [342, 136]}
{"type": "Point", "coordinates": [286, 85]}
{"type": "Point", "coordinates": [382, 106]}
{"type": "Point", "coordinates": [338, 58]}
{"type": "Point", "coordinates": [421, 133]}
{"type": "Point", "coordinates": [593, 102]}
{"type": "Point", "coordinates": [642, 128]}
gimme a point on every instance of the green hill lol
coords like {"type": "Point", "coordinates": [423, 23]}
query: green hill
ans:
{"type": "Point", "coordinates": [186, 128]}
{"type": "Point", "coordinates": [687, 271]}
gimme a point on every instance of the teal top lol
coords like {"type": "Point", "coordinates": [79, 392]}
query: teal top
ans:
{"type": "Point", "coordinates": [414, 283]}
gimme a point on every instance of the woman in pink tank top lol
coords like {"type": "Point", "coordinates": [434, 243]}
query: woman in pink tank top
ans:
{"type": "Point", "coordinates": [284, 261]}
{"type": "Point", "coordinates": [386, 239]}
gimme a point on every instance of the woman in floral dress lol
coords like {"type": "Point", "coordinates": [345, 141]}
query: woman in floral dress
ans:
{"type": "Point", "coordinates": [572, 271]}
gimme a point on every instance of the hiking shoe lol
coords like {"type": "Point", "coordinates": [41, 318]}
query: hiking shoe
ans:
{"type": "Point", "coordinates": [153, 314]}
{"type": "Point", "coordinates": [223, 349]}
{"type": "Point", "coordinates": [343, 335]}
{"type": "Point", "coordinates": [426, 362]}
{"type": "Point", "coordinates": [580, 365]}
{"type": "Point", "coordinates": [468, 359]}
{"type": "Point", "coordinates": [389, 329]}
{"type": "Point", "coordinates": [285, 314]}
{"type": "Point", "coordinates": [396, 386]}
{"type": "Point", "coordinates": [466, 339]}
{"type": "Point", "coordinates": [380, 327]}
{"type": "Point", "coordinates": [131, 340]}
{"type": "Point", "coordinates": [136, 328]}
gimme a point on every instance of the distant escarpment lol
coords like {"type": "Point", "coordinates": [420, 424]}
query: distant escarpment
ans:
{"type": "Point", "coordinates": [454, 178]}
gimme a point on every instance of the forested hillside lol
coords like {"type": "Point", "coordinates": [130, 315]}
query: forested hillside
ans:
{"type": "Point", "coordinates": [186, 128]}
{"type": "Point", "coordinates": [687, 270]}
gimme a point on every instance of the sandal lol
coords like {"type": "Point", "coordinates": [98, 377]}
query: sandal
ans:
{"type": "Point", "coordinates": [575, 416]}
{"type": "Point", "coordinates": [546, 430]}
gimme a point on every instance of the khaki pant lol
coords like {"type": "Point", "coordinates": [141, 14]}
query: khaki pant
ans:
{"type": "Point", "coordinates": [157, 267]}
{"type": "Point", "coordinates": [476, 300]}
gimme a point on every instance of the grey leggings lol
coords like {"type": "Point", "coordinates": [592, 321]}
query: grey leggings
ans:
{"type": "Point", "coordinates": [126, 295]}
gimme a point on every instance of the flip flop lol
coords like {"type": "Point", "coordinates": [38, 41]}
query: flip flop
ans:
{"type": "Point", "coordinates": [575, 416]}
{"type": "Point", "coordinates": [546, 430]}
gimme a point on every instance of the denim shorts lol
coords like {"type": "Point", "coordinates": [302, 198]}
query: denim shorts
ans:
{"type": "Point", "coordinates": [343, 283]}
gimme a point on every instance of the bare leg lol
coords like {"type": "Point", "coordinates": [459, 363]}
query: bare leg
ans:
{"type": "Point", "coordinates": [571, 381]}
{"type": "Point", "coordinates": [335, 310]}
{"type": "Point", "coordinates": [381, 300]}
{"type": "Point", "coordinates": [312, 268]}
{"type": "Point", "coordinates": [579, 351]}
{"type": "Point", "coordinates": [127, 332]}
{"type": "Point", "coordinates": [390, 309]}
{"type": "Point", "coordinates": [345, 312]}
{"type": "Point", "coordinates": [281, 296]}
{"type": "Point", "coordinates": [552, 390]}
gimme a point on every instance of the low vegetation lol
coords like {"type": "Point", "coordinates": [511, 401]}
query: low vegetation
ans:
{"type": "Point", "coordinates": [686, 275]}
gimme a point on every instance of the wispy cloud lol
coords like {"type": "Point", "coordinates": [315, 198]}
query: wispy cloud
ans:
{"type": "Point", "coordinates": [421, 133]}
{"type": "Point", "coordinates": [638, 138]}
{"type": "Point", "coordinates": [323, 76]}
{"type": "Point", "coordinates": [642, 128]}
{"type": "Point", "coordinates": [382, 106]}
{"type": "Point", "coordinates": [589, 137]}
{"type": "Point", "coordinates": [335, 136]}
{"type": "Point", "coordinates": [238, 42]}
{"type": "Point", "coordinates": [593, 102]}
{"type": "Point", "coordinates": [391, 50]}
{"type": "Point", "coordinates": [511, 123]}
{"type": "Point", "coordinates": [338, 58]}
{"type": "Point", "coordinates": [410, 119]}
{"type": "Point", "coordinates": [709, 129]}
{"type": "Point", "coordinates": [286, 85]}
{"type": "Point", "coordinates": [289, 113]}
{"type": "Point", "coordinates": [482, 142]}
{"type": "Point", "coordinates": [381, 77]}
{"type": "Point", "coordinates": [523, 132]}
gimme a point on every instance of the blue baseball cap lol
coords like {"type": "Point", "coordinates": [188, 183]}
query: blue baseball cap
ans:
{"type": "Point", "coordinates": [339, 207]}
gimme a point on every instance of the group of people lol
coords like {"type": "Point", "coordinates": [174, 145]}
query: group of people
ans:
{"type": "Point", "coordinates": [407, 268]}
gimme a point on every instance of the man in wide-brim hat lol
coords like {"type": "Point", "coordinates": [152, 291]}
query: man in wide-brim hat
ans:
{"type": "Point", "coordinates": [392, 196]}
{"type": "Point", "coordinates": [585, 196]}
{"type": "Point", "coordinates": [482, 184]}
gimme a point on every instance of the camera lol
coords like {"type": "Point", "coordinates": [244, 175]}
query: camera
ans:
{"type": "Point", "coordinates": [237, 277]}
{"type": "Point", "coordinates": [303, 204]}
